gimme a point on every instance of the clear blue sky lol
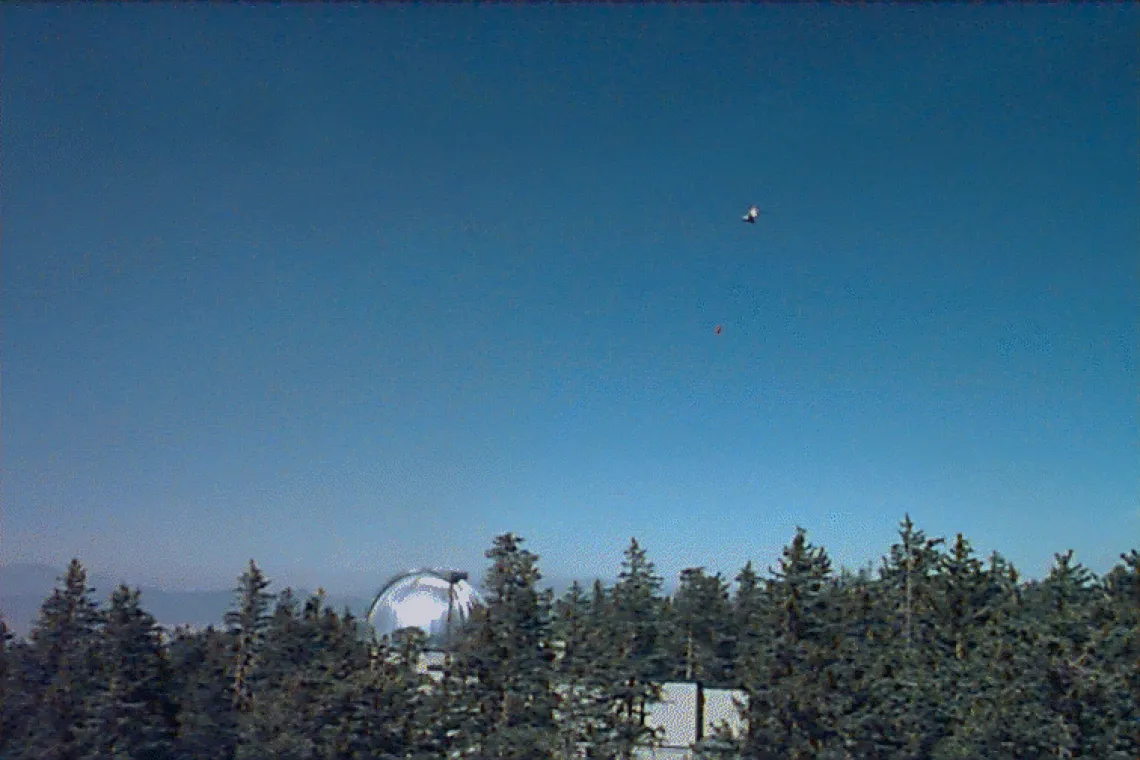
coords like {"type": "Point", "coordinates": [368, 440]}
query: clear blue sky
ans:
{"type": "Point", "coordinates": [346, 288]}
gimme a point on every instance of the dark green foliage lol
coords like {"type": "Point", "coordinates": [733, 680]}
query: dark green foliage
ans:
{"type": "Point", "coordinates": [247, 624]}
{"type": "Point", "coordinates": [906, 685]}
{"type": "Point", "coordinates": [941, 655]}
{"type": "Point", "coordinates": [12, 699]}
{"type": "Point", "coordinates": [633, 659]}
{"type": "Point", "coordinates": [1118, 653]}
{"type": "Point", "coordinates": [792, 683]}
{"type": "Point", "coordinates": [592, 713]}
{"type": "Point", "coordinates": [132, 712]}
{"type": "Point", "coordinates": [60, 672]}
{"type": "Point", "coordinates": [750, 632]}
{"type": "Point", "coordinates": [699, 643]}
{"type": "Point", "coordinates": [576, 673]}
{"type": "Point", "coordinates": [316, 692]}
{"type": "Point", "coordinates": [203, 688]}
{"type": "Point", "coordinates": [510, 653]}
{"type": "Point", "coordinates": [382, 710]}
{"type": "Point", "coordinates": [721, 745]}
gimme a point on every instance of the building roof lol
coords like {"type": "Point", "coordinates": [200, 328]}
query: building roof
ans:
{"type": "Point", "coordinates": [437, 602]}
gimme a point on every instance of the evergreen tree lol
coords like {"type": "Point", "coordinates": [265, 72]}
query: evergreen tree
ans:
{"type": "Point", "coordinates": [247, 625]}
{"type": "Point", "coordinates": [791, 698]}
{"type": "Point", "coordinates": [1079, 684]}
{"type": "Point", "coordinates": [599, 604]}
{"type": "Point", "coordinates": [940, 656]}
{"type": "Point", "coordinates": [961, 600]}
{"type": "Point", "coordinates": [312, 677]}
{"type": "Point", "coordinates": [860, 629]}
{"type": "Point", "coordinates": [964, 594]}
{"type": "Point", "coordinates": [133, 714]}
{"type": "Point", "coordinates": [62, 671]}
{"type": "Point", "coordinates": [905, 686]}
{"type": "Point", "coordinates": [750, 630]}
{"type": "Point", "coordinates": [12, 700]}
{"type": "Point", "coordinates": [511, 655]}
{"type": "Point", "coordinates": [276, 718]}
{"type": "Point", "coordinates": [579, 680]}
{"type": "Point", "coordinates": [452, 723]}
{"type": "Point", "coordinates": [699, 647]}
{"type": "Point", "coordinates": [1118, 653]}
{"type": "Point", "coordinates": [634, 660]}
{"type": "Point", "coordinates": [383, 710]}
{"type": "Point", "coordinates": [348, 689]}
{"type": "Point", "coordinates": [1005, 717]}
{"type": "Point", "coordinates": [288, 645]}
{"type": "Point", "coordinates": [201, 664]}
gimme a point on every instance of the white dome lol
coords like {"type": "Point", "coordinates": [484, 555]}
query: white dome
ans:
{"type": "Point", "coordinates": [424, 599]}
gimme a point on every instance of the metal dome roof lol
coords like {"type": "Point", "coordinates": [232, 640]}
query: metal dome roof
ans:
{"type": "Point", "coordinates": [424, 599]}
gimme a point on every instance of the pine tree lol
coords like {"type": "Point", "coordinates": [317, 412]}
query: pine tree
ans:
{"type": "Point", "coordinates": [1005, 717]}
{"type": "Point", "coordinates": [277, 719]}
{"type": "Point", "coordinates": [247, 625]}
{"type": "Point", "coordinates": [860, 631]}
{"type": "Point", "coordinates": [700, 622]}
{"type": "Point", "coordinates": [576, 669]}
{"type": "Point", "coordinates": [451, 722]}
{"type": "Point", "coordinates": [511, 654]}
{"type": "Point", "coordinates": [343, 682]}
{"type": "Point", "coordinates": [1078, 683]}
{"type": "Point", "coordinates": [634, 660]}
{"type": "Point", "coordinates": [750, 629]}
{"type": "Point", "coordinates": [201, 665]}
{"type": "Point", "coordinates": [384, 710]}
{"type": "Point", "coordinates": [62, 669]}
{"type": "Point", "coordinates": [905, 686]}
{"type": "Point", "coordinates": [961, 600]}
{"type": "Point", "coordinates": [791, 702]}
{"type": "Point", "coordinates": [12, 699]}
{"type": "Point", "coordinates": [133, 714]}
{"type": "Point", "coordinates": [286, 637]}
{"type": "Point", "coordinates": [312, 670]}
{"type": "Point", "coordinates": [1118, 648]}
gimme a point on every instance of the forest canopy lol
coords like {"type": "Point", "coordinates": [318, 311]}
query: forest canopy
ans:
{"type": "Point", "coordinates": [937, 653]}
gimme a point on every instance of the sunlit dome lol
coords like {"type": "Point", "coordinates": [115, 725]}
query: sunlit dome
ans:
{"type": "Point", "coordinates": [424, 599]}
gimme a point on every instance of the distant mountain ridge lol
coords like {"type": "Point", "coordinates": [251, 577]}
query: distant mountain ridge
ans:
{"type": "Point", "coordinates": [25, 586]}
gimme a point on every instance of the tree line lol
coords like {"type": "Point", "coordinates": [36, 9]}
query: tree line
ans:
{"type": "Point", "coordinates": [936, 654]}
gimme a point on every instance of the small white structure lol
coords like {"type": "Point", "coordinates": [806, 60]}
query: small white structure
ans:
{"type": "Point", "coordinates": [688, 713]}
{"type": "Point", "coordinates": [675, 714]}
{"type": "Point", "coordinates": [721, 709]}
{"type": "Point", "coordinates": [432, 664]}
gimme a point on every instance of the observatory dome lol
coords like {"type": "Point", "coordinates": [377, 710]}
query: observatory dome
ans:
{"type": "Point", "coordinates": [424, 599]}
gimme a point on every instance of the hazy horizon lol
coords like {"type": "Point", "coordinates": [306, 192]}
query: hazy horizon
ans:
{"type": "Point", "coordinates": [344, 287]}
{"type": "Point", "coordinates": [363, 583]}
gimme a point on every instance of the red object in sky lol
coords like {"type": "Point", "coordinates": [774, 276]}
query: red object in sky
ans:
{"type": "Point", "coordinates": [718, 329]}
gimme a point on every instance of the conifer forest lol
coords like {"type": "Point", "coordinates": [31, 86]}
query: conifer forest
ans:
{"type": "Point", "coordinates": [937, 653]}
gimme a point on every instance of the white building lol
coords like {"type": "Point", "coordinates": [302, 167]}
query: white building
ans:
{"type": "Point", "coordinates": [687, 713]}
{"type": "Point", "coordinates": [439, 603]}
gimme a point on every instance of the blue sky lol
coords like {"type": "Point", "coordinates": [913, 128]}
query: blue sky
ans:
{"type": "Point", "coordinates": [355, 288]}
